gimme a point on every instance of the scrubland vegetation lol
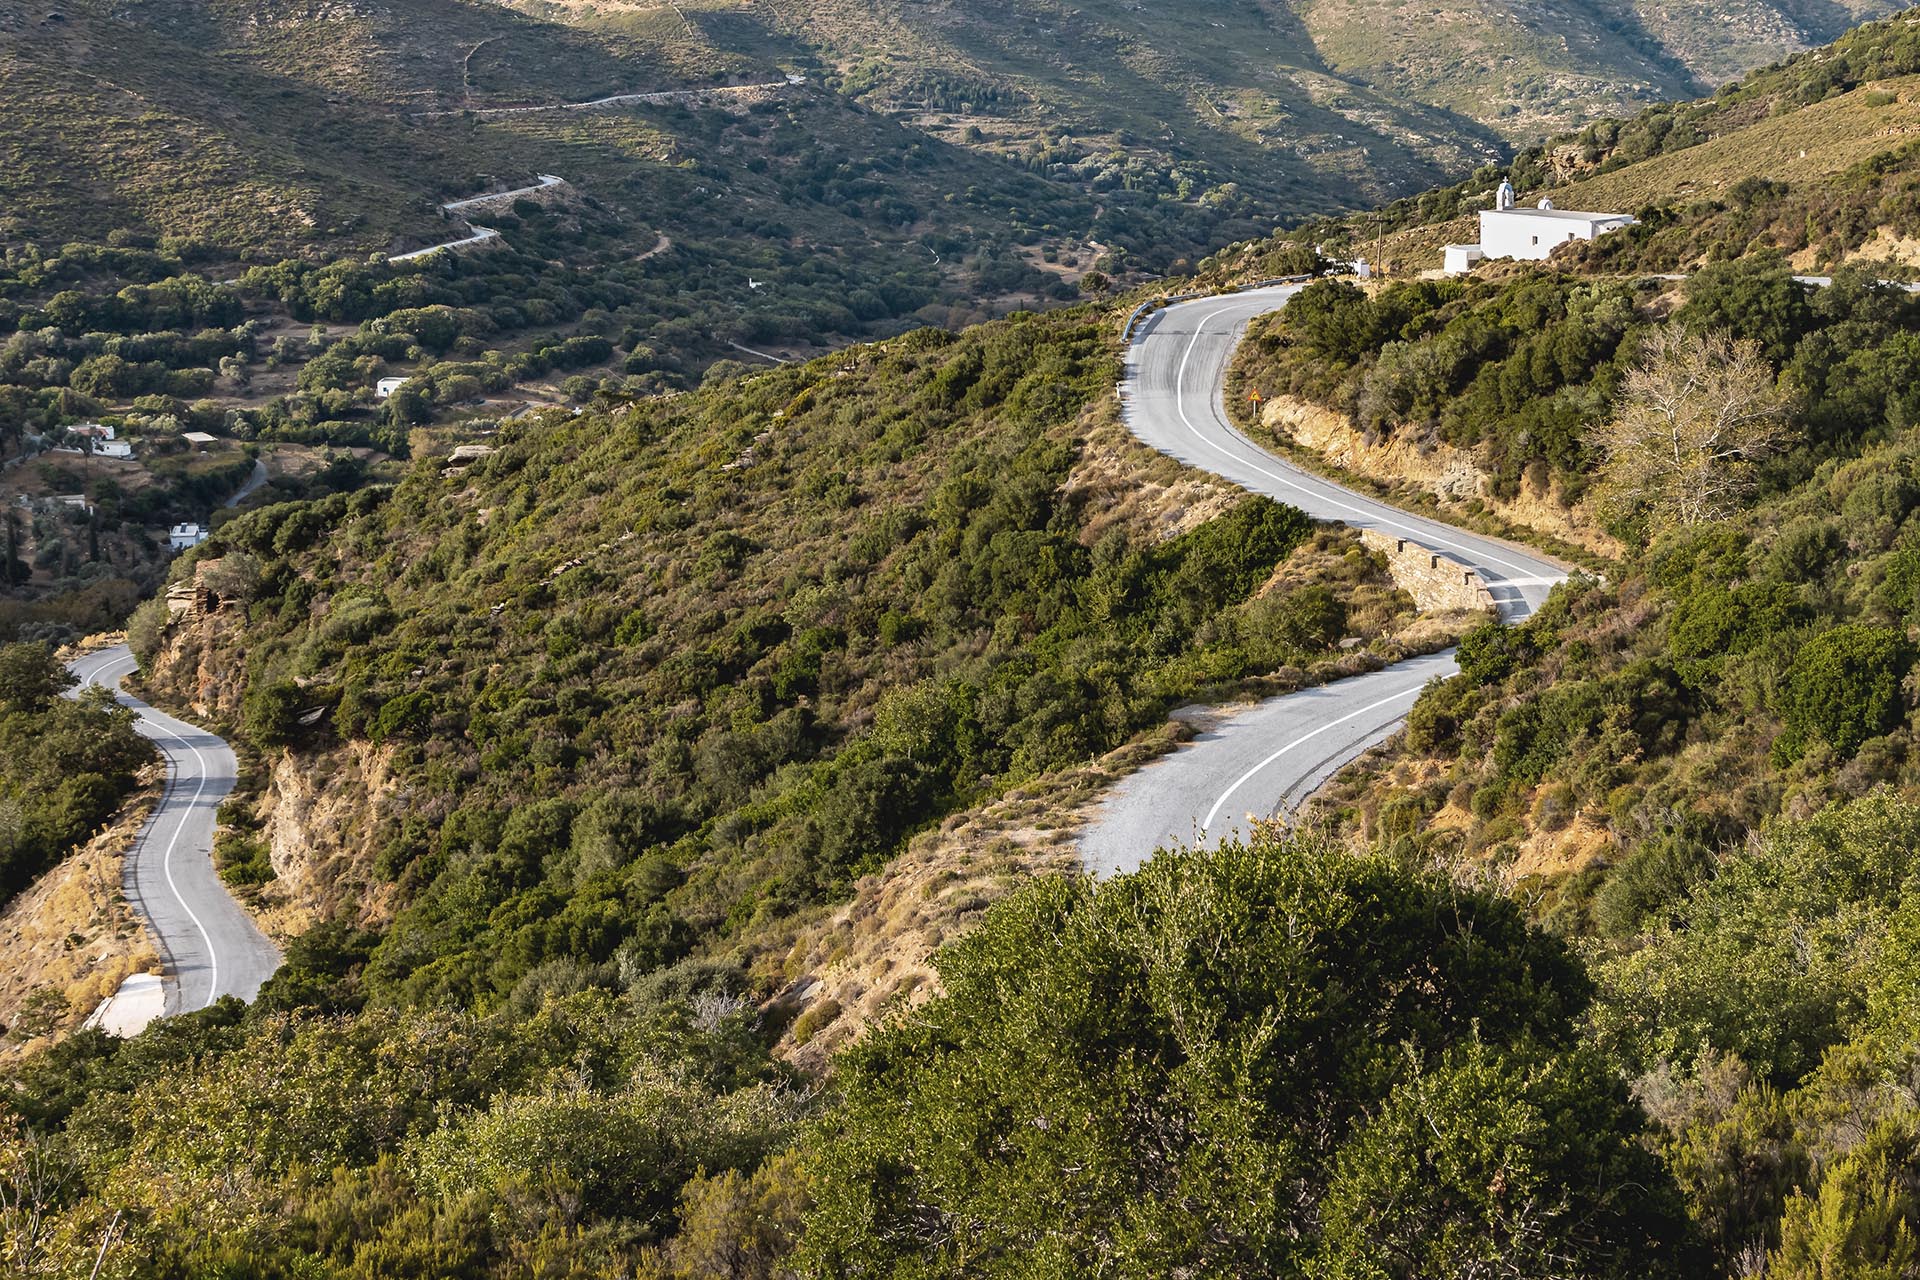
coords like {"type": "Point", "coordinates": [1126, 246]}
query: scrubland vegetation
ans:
{"type": "Point", "coordinates": [727, 652]}
{"type": "Point", "coordinates": [658, 682]}
{"type": "Point", "coordinates": [1605, 968]}
{"type": "Point", "coordinates": [1525, 370]}
{"type": "Point", "coordinates": [1698, 770]}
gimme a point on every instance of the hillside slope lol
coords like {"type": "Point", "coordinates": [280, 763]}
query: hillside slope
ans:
{"type": "Point", "coordinates": [1812, 157]}
{"type": "Point", "coordinates": [257, 124]}
{"type": "Point", "coordinates": [1311, 77]}
{"type": "Point", "coordinates": [740, 644]}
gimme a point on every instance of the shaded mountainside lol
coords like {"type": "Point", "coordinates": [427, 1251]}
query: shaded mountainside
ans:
{"type": "Point", "coordinates": [1308, 80]}
{"type": "Point", "coordinates": [254, 124]}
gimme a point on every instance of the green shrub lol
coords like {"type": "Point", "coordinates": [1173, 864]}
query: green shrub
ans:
{"type": "Point", "coordinates": [1181, 1012]}
{"type": "Point", "coordinates": [270, 715]}
{"type": "Point", "coordinates": [1656, 877]}
{"type": "Point", "coordinates": [1843, 688]}
{"type": "Point", "coordinates": [814, 1021]}
{"type": "Point", "coordinates": [407, 715]}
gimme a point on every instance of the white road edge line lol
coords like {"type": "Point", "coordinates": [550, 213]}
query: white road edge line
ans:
{"type": "Point", "coordinates": [166, 860]}
{"type": "Point", "coordinates": [1206, 823]}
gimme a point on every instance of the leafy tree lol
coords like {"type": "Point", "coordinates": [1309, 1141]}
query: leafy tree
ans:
{"type": "Point", "coordinates": [1490, 1163]}
{"type": "Point", "coordinates": [1770, 958]}
{"type": "Point", "coordinates": [1753, 299]}
{"type": "Point", "coordinates": [736, 1226]}
{"type": "Point", "coordinates": [44, 1009]}
{"type": "Point", "coordinates": [1860, 1222]}
{"type": "Point", "coordinates": [31, 677]}
{"type": "Point", "coordinates": [272, 713]}
{"type": "Point", "coordinates": [1168, 1072]}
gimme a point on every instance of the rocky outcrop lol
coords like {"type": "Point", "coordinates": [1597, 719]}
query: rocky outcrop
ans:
{"type": "Point", "coordinates": [196, 667]}
{"type": "Point", "coordinates": [318, 812]}
{"type": "Point", "coordinates": [320, 816]}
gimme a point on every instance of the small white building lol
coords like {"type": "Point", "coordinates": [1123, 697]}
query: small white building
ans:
{"type": "Point", "coordinates": [387, 386]}
{"type": "Point", "coordinates": [113, 448]}
{"type": "Point", "coordinates": [1531, 235]}
{"type": "Point", "coordinates": [199, 439]}
{"type": "Point", "coordinates": [182, 536]}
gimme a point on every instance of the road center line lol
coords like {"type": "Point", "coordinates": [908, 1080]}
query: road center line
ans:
{"type": "Point", "coordinates": [179, 826]}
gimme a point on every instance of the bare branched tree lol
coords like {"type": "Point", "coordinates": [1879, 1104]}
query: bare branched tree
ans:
{"type": "Point", "coordinates": [1693, 421]}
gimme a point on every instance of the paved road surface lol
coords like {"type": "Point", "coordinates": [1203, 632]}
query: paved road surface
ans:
{"type": "Point", "coordinates": [1255, 761]}
{"type": "Point", "coordinates": [1249, 762]}
{"type": "Point", "coordinates": [211, 947]}
{"type": "Point", "coordinates": [255, 478]}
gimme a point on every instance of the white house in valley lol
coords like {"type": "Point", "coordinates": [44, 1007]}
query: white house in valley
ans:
{"type": "Point", "coordinates": [183, 536]}
{"type": "Point", "coordinates": [1507, 231]}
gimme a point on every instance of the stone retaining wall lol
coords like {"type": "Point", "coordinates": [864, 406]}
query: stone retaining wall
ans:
{"type": "Point", "coordinates": [1437, 584]}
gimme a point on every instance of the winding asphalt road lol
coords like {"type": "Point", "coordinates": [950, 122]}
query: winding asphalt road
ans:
{"type": "Point", "coordinates": [211, 946]}
{"type": "Point", "coordinates": [255, 478]}
{"type": "Point", "coordinates": [1252, 762]}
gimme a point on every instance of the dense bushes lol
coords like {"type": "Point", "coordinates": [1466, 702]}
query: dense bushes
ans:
{"type": "Point", "coordinates": [1149, 1076]}
{"type": "Point", "coordinates": [1777, 640]}
{"type": "Point", "coordinates": [1773, 957]}
{"type": "Point", "coordinates": [1657, 759]}
{"type": "Point", "coordinates": [1843, 688]}
{"type": "Point", "coordinates": [1520, 372]}
{"type": "Point", "coordinates": [582, 1133]}
{"type": "Point", "coordinates": [1516, 373]}
{"type": "Point", "coordinates": [741, 645]}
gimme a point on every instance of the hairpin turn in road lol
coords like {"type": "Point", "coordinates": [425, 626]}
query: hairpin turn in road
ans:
{"type": "Point", "coordinates": [1253, 762]}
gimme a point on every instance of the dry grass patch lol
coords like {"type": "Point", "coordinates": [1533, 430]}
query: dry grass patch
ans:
{"type": "Point", "coordinates": [1122, 482]}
